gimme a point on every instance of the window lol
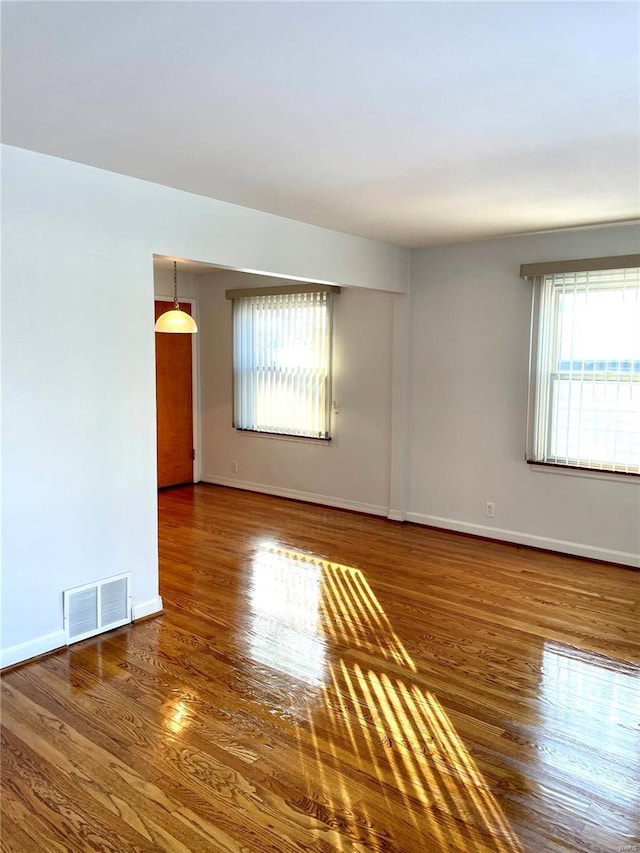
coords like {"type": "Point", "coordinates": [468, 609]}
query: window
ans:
{"type": "Point", "coordinates": [282, 361]}
{"type": "Point", "coordinates": [586, 360]}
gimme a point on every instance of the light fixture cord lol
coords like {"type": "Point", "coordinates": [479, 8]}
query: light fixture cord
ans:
{"type": "Point", "coordinates": [175, 286]}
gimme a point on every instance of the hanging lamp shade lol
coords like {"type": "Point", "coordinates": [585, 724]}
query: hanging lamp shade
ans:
{"type": "Point", "coordinates": [175, 320]}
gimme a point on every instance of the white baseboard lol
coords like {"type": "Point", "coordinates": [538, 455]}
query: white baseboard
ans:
{"type": "Point", "coordinates": [396, 515]}
{"type": "Point", "coordinates": [58, 639]}
{"type": "Point", "coordinates": [515, 537]}
{"type": "Point", "coordinates": [308, 497]}
{"type": "Point", "coordinates": [518, 538]}
{"type": "Point", "coordinates": [146, 608]}
{"type": "Point", "coordinates": [32, 648]}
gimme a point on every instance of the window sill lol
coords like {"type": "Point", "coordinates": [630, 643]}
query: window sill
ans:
{"type": "Point", "coordinates": [283, 436]}
{"type": "Point", "coordinates": [588, 473]}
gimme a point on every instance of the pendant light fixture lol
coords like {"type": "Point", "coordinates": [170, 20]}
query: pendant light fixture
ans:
{"type": "Point", "coordinates": [176, 320]}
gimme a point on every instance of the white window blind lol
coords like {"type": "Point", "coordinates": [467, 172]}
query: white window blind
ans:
{"type": "Point", "coordinates": [282, 363]}
{"type": "Point", "coordinates": [587, 377]}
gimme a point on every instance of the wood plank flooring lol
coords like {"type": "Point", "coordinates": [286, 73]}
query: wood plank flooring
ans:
{"type": "Point", "coordinates": [324, 681]}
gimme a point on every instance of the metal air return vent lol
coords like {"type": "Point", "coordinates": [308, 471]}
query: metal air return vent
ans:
{"type": "Point", "coordinates": [97, 607]}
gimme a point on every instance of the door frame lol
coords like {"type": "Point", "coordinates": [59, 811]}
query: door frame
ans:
{"type": "Point", "coordinates": [195, 378]}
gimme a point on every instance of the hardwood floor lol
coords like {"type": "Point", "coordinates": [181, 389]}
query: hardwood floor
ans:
{"type": "Point", "coordinates": [324, 681]}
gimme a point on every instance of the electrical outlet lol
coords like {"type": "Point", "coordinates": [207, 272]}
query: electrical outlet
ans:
{"type": "Point", "coordinates": [490, 510]}
{"type": "Point", "coordinates": [234, 467]}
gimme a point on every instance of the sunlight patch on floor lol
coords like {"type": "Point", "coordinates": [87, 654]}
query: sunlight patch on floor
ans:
{"type": "Point", "coordinates": [400, 732]}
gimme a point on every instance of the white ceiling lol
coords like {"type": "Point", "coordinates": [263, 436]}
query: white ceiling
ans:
{"type": "Point", "coordinates": [415, 123]}
{"type": "Point", "coordinates": [165, 263]}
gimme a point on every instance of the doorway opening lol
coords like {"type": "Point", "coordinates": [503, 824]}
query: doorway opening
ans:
{"type": "Point", "coordinates": [175, 441]}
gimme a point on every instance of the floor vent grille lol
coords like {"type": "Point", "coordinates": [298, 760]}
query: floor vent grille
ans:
{"type": "Point", "coordinates": [97, 607]}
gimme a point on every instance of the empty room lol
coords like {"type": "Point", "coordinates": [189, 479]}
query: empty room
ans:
{"type": "Point", "coordinates": [320, 427]}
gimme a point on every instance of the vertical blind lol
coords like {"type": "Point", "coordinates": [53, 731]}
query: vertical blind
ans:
{"type": "Point", "coordinates": [587, 410]}
{"type": "Point", "coordinates": [282, 363]}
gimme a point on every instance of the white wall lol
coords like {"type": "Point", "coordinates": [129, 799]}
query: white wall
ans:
{"type": "Point", "coordinates": [470, 321]}
{"type": "Point", "coordinates": [353, 469]}
{"type": "Point", "coordinates": [188, 283]}
{"type": "Point", "coordinates": [78, 455]}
